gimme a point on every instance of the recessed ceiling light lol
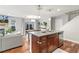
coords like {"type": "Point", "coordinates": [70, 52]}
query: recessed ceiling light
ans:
{"type": "Point", "coordinates": [33, 16]}
{"type": "Point", "coordinates": [58, 9]}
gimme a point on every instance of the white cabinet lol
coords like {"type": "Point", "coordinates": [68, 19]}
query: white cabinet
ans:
{"type": "Point", "coordinates": [10, 42]}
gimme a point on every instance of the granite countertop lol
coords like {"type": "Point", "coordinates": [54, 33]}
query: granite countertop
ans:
{"type": "Point", "coordinates": [40, 33]}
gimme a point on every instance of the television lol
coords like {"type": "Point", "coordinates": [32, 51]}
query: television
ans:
{"type": "Point", "coordinates": [3, 19]}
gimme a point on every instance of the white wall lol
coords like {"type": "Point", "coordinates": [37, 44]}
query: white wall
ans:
{"type": "Point", "coordinates": [20, 25]}
{"type": "Point", "coordinates": [71, 29]}
{"type": "Point", "coordinates": [60, 21]}
{"type": "Point", "coordinates": [58, 24]}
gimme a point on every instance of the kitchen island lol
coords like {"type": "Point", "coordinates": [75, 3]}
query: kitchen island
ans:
{"type": "Point", "coordinates": [46, 42]}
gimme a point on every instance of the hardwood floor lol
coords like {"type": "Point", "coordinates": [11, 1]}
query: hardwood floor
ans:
{"type": "Point", "coordinates": [68, 46]}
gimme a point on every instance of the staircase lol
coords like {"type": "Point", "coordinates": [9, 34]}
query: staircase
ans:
{"type": "Point", "coordinates": [72, 14]}
{"type": "Point", "coordinates": [71, 29]}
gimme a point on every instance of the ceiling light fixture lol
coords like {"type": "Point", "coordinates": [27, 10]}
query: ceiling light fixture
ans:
{"type": "Point", "coordinates": [58, 9]}
{"type": "Point", "coordinates": [33, 16]}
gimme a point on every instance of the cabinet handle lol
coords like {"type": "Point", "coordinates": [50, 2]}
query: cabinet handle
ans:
{"type": "Point", "coordinates": [39, 42]}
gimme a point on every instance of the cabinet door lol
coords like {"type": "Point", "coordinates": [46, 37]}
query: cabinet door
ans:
{"type": "Point", "coordinates": [35, 45]}
{"type": "Point", "coordinates": [56, 41]}
{"type": "Point", "coordinates": [43, 45]}
{"type": "Point", "coordinates": [50, 43]}
{"type": "Point", "coordinates": [53, 42]}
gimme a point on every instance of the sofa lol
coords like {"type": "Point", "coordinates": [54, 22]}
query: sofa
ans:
{"type": "Point", "coordinates": [10, 41]}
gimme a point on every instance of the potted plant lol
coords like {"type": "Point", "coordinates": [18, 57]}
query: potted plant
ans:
{"type": "Point", "coordinates": [43, 26]}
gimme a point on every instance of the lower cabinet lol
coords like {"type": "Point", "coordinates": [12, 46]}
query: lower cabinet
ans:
{"type": "Point", "coordinates": [35, 45]}
{"type": "Point", "coordinates": [53, 42]}
{"type": "Point", "coordinates": [45, 44]}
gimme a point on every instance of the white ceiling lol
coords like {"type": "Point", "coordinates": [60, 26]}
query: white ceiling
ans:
{"type": "Point", "coordinates": [24, 10]}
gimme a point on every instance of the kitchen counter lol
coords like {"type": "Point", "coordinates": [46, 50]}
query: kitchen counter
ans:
{"type": "Point", "coordinates": [41, 33]}
{"type": "Point", "coordinates": [45, 42]}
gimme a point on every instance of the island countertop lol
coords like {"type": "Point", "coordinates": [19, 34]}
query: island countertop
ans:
{"type": "Point", "coordinates": [40, 33]}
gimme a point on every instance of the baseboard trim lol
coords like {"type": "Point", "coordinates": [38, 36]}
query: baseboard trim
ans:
{"type": "Point", "coordinates": [10, 49]}
{"type": "Point", "coordinates": [72, 41]}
